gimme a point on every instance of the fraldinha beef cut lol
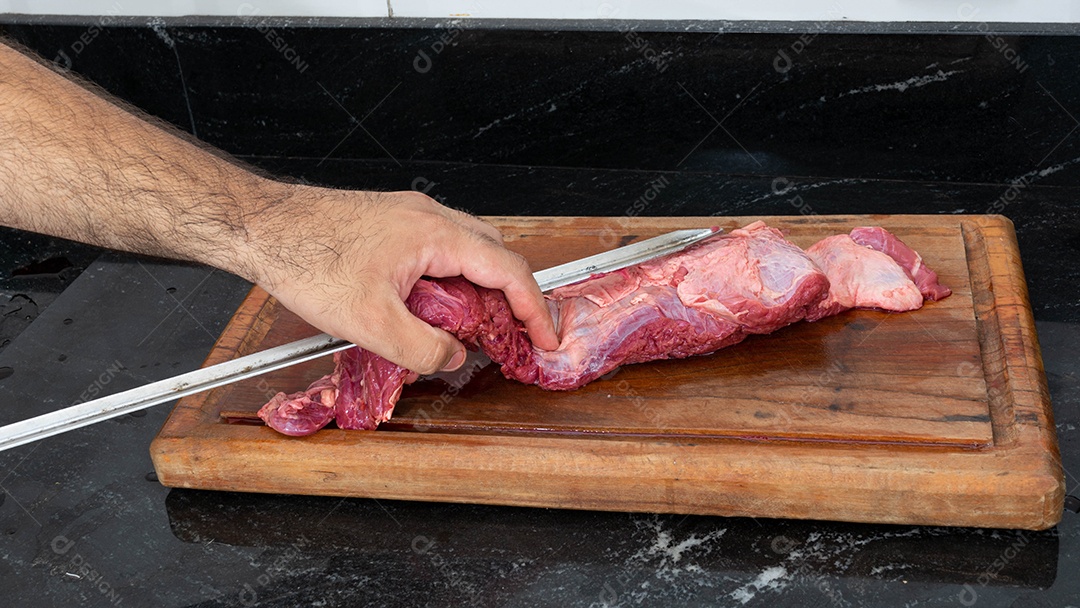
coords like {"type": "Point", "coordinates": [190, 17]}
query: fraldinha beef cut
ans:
{"type": "Point", "coordinates": [694, 302]}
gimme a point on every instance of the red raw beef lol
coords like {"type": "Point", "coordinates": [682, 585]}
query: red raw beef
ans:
{"type": "Point", "coordinates": [694, 302]}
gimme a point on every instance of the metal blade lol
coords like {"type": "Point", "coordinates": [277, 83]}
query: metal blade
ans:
{"type": "Point", "coordinates": [609, 261]}
{"type": "Point", "coordinates": [125, 402]}
{"type": "Point", "coordinates": [111, 406]}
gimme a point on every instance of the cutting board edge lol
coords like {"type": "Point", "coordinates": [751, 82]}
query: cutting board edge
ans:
{"type": "Point", "coordinates": [1039, 508]}
{"type": "Point", "coordinates": [727, 479]}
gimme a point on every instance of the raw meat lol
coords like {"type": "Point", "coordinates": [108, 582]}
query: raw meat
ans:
{"type": "Point", "coordinates": [304, 412]}
{"type": "Point", "coordinates": [882, 240]}
{"type": "Point", "coordinates": [863, 275]}
{"type": "Point", "coordinates": [713, 295]}
{"type": "Point", "coordinates": [691, 303]}
{"type": "Point", "coordinates": [368, 387]}
{"type": "Point", "coordinates": [871, 268]}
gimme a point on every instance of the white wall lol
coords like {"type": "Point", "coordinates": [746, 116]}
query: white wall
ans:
{"type": "Point", "coordinates": [176, 8]}
{"type": "Point", "coordinates": [1016, 11]}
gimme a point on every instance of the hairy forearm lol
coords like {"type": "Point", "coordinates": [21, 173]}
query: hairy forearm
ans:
{"type": "Point", "coordinates": [75, 165]}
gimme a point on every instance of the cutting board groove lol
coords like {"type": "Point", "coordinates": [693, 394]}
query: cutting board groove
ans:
{"type": "Point", "coordinates": [939, 416]}
{"type": "Point", "coordinates": [991, 346]}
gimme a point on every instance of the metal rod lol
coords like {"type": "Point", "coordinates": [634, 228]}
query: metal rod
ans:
{"type": "Point", "coordinates": [609, 261]}
{"type": "Point", "coordinates": [118, 404]}
{"type": "Point", "coordinates": [125, 402]}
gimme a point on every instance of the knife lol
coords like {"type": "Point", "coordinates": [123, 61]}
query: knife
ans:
{"type": "Point", "coordinates": [125, 402]}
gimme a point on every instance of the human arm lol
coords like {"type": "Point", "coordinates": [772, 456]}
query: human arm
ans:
{"type": "Point", "coordinates": [76, 165]}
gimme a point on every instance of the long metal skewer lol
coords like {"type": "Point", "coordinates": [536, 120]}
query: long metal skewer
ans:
{"type": "Point", "coordinates": [125, 402]}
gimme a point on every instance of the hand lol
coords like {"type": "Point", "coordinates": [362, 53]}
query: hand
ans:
{"type": "Point", "coordinates": [345, 261]}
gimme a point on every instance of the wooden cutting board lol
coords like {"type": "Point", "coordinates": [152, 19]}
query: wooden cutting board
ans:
{"type": "Point", "coordinates": [938, 416]}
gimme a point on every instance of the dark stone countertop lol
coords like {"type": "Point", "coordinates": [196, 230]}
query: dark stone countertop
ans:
{"type": "Point", "coordinates": [541, 123]}
{"type": "Point", "coordinates": [90, 496]}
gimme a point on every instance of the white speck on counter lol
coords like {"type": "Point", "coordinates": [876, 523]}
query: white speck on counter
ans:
{"type": "Point", "coordinates": [675, 558]}
{"type": "Point", "coordinates": [548, 104]}
{"type": "Point", "coordinates": [1032, 176]}
{"type": "Point", "coordinates": [769, 579]}
{"type": "Point", "coordinates": [911, 83]}
{"type": "Point", "coordinates": [157, 24]}
{"type": "Point", "coordinates": [674, 552]}
{"type": "Point", "coordinates": [493, 124]}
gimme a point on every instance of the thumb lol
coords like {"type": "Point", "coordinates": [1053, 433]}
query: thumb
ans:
{"type": "Point", "coordinates": [400, 337]}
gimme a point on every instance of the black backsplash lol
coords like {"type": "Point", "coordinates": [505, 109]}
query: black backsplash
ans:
{"type": "Point", "coordinates": [958, 108]}
{"type": "Point", "coordinates": [514, 121]}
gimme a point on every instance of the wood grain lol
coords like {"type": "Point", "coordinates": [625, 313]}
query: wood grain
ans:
{"type": "Point", "coordinates": [939, 416]}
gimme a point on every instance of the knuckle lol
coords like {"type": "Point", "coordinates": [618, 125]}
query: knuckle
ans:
{"type": "Point", "coordinates": [439, 224]}
{"type": "Point", "coordinates": [445, 236]}
{"type": "Point", "coordinates": [431, 359]}
{"type": "Point", "coordinates": [397, 353]}
{"type": "Point", "coordinates": [488, 227]}
{"type": "Point", "coordinates": [421, 200]}
{"type": "Point", "coordinates": [485, 238]}
{"type": "Point", "coordinates": [518, 262]}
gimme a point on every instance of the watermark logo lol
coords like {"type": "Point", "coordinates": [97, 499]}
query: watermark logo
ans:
{"type": "Point", "coordinates": [968, 12]}
{"type": "Point", "coordinates": [100, 382]}
{"type": "Point", "coordinates": [637, 42]}
{"type": "Point", "coordinates": [968, 596]}
{"type": "Point", "coordinates": [424, 185]}
{"type": "Point", "coordinates": [609, 237]}
{"type": "Point", "coordinates": [248, 12]}
{"type": "Point", "coordinates": [783, 62]}
{"type": "Point", "coordinates": [248, 595]}
{"type": "Point", "coordinates": [1009, 196]}
{"type": "Point", "coordinates": [423, 62]}
{"type": "Point", "coordinates": [781, 186]}
{"type": "Point", "coordinates": [63, 62]}
{"type": "Point", "coordinates": [78, 567]}
{"type": "Point", "coordinates": [458, 381]}
{"type": "Point", "coordinates": [422, 545]}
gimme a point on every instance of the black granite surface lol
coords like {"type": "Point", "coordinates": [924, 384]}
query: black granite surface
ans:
{"type": "Point", "coordinates": [971, 108]}
{"type": "Point", "coordinates": [84, 522]}
{"type": "Point", "coordinates": [36, 269]}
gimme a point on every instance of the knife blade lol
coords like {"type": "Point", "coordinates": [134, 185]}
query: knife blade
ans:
{"type": "Point", "coordinates": [248, 366]}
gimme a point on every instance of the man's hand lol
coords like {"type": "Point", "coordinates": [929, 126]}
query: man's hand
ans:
{"type": "Point", "coordinates": [76, 164]}
{"type": "Point", "coordinates": [345, 262]}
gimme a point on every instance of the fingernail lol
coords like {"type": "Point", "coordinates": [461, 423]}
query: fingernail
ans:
{"type": "Point", "coordinates": [457, 361]}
